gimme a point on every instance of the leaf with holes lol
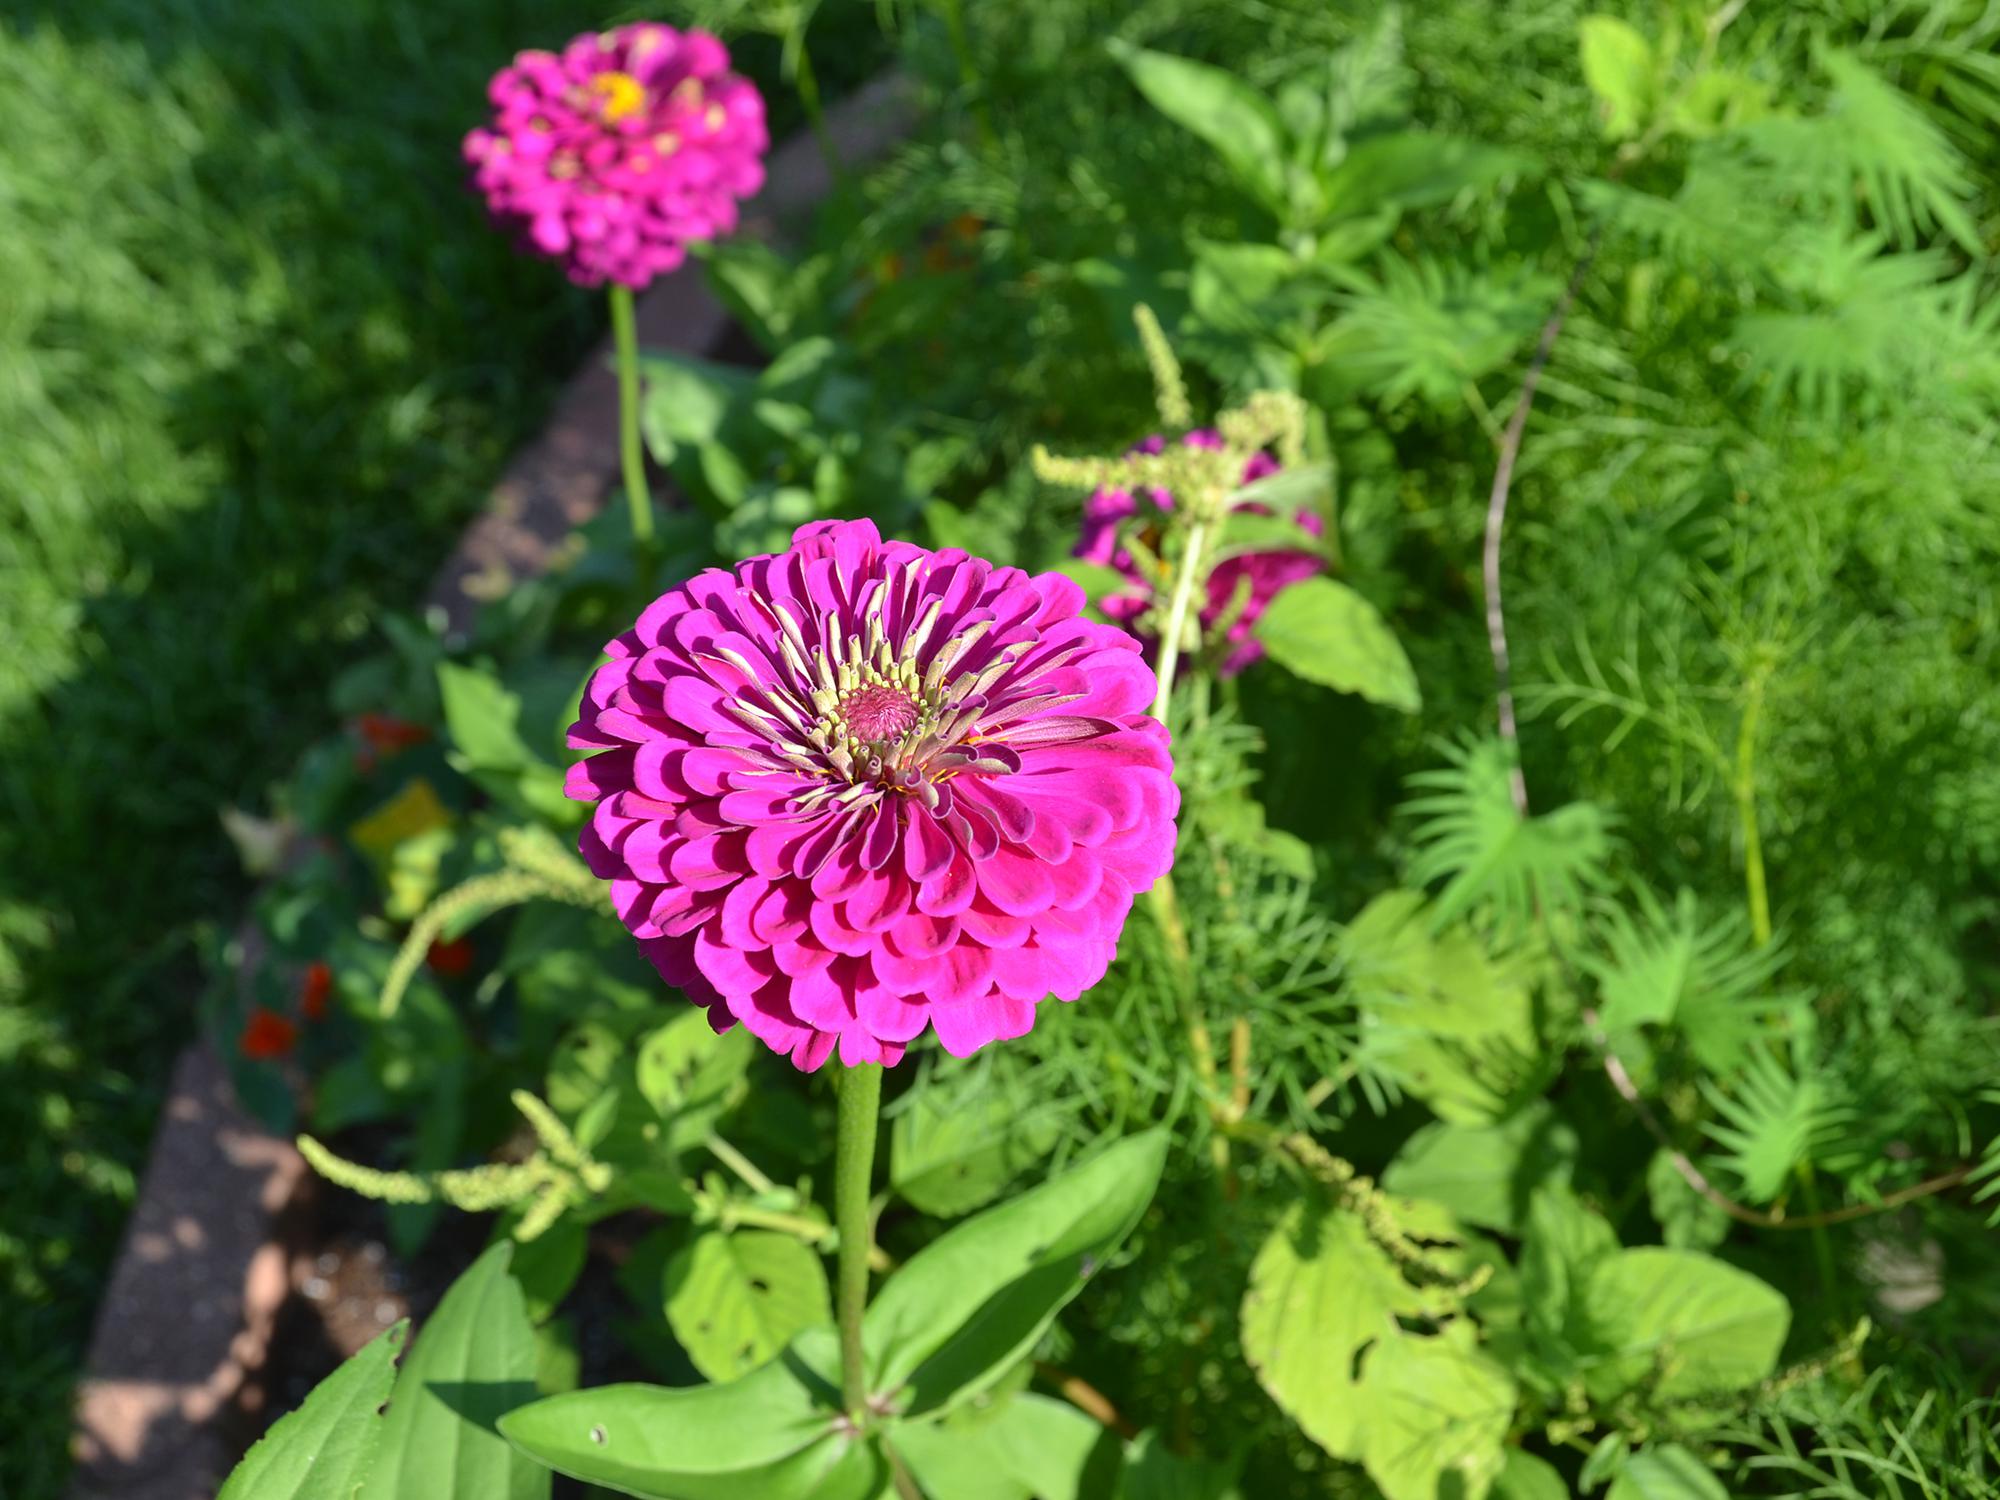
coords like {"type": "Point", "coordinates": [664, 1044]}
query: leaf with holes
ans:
{"type": "Point", "coordinates": [325, 1449]}
{"type": "Point", "coordinates": [736, 1299]}
{"type": "Point", "coordinates": [1437, 1413]}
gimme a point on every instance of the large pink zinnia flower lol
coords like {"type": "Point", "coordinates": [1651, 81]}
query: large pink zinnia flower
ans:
{"type": "Point", "coordinates": [615, 155]}
{"type": "Point", "coordinates": [1108, 511]}
{"type": "Point", "coordinates": [860, 787]}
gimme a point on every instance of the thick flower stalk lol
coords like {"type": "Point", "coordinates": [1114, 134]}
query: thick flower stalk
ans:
{"type": "Point", "coordinates": [1123, 531]}
{"type": "Point", "coordinates": [860, 788]}
{"type": "Point", "coordinates": [617, 153]}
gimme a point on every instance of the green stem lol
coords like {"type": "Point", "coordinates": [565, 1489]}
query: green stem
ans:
{"type": "Point", "coordinates": [625, 334]}
{"type": "Point", "coordinates": [853, 1172]}
{"type": "Point", "coordinates": [1746, 813]}
{"type": "Point", "coordinates": [968, 71]}
{"type": "Point", "coordinates": [1177, 613]}
{"type": "Point", "coordinates": [738, 1163]}
{"type": "Point", "coordinates": [807, 83]}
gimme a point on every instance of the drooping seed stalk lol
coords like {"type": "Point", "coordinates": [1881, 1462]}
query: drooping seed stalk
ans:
{"type": "Point", "coordinates": [853, 1175]}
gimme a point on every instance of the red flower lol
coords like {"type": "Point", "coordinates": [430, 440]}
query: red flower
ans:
{"type": "Point", "coordinates": [315, 991]}
{"type": "Point", "coordinates": [387, 734]}
{"type": "Point", "coordinates": [267, 1035]}
{"type": "Point", "coordinates": [450, 959]}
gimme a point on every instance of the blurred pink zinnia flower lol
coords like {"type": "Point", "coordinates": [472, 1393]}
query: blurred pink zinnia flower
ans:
{"type": "Point", "coordinates": [861, 787]}
{"type": "Point", "coordinates": [616, 154]}
{"type": "Point", "coordinates": [1270, 572]}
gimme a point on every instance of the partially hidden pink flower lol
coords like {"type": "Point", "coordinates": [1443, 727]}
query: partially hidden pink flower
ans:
{"type": "Point", "coordinates": [1109, 514]}
{"type": "Point", "coordinates": [860, 788]}
{"type": "Point", "coordinates": [616, 154]}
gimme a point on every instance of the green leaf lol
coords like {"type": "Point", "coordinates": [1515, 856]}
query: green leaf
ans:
{"type": "Point", "coordinates": [1415, 169]}
{"type": "Point", "coordinates": [1239, 124]}
{"type": "Point", "coordinates": [1526, 1477]}
{"type": "Point", "coordinates": [1320, 1292]}
{"type": "Point", "coordinates": [1686, 1321]}
{"type": "Point", "coordinates": [1489, 855]}
{"type": "Point", "coordinates": [1564, 1244]}
{"type": "Point", "coordinates": [768, 1436]}
{"type": "Point", "coordinates": [687, 400]}
{"type": "Point", "coordinates": [1485, 1174]}
{"type": "Point", "coordinates": [690, 1075]}
{"type": "Point", "coordinates": [959, 1143]}
{"type": "Point", "coordinates": [735, 1299]}
{"type": "Point", "coordinates": [1618, 65]}
{"type": "Point", "coordinates": [474, 1361]}
{"type": "Point", "coordinates": [1438, 1411]}
{"type": "Point", "coordinates": [973, 1301]}
{"type": "Point", "coordinates": [1440, 1017]}
{"type": "Point", "coordinates": [1032, 1448]}
{"type": "Point", "coordinates": [1668, 1472]}
{"type": "Point", "coordinates": [1152, 1472]}
{"type": "Point", "coordinates": [1327, 633]}
{"type": "Point", "coordinates": [483, 717]}
{"type": "Point", "coordinates": [547, 1265]}
{"type": "Point", "coordinates": [325, 1449]}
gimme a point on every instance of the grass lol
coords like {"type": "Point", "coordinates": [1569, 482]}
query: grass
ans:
{"type": "Point", "coordinates": [260, 357]}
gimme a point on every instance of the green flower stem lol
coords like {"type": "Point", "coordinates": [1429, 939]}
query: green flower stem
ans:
{"type": "Point", "coordinates": [625, 335]}
{"type": "Point", "coordinates": [1177, 613]}
{"type": "Point", "coordinates": [853, 1172]}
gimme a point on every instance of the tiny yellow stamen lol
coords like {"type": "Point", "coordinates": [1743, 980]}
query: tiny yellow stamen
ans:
{"type": "Point", "coordinates": [619, 95]}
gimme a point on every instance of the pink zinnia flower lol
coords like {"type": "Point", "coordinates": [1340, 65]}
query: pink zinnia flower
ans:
{"type": "Point", "coordinates": [1108, 512]}
{"type": "Point", "coordinates": [861, 787]}
{"type": "Point", "coordinates": [615, 155]}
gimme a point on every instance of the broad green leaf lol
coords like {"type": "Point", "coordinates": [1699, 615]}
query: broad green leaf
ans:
{"type": "Point", "coordinates": [1618, 65]}
{"type": "Point", "coordinates": [1687, 1220]}
{"type": "Point", "coordinates": [1325, 632]}
{"type": "Point", "coordinates": [973, 1301]}
{"type": "Point", "coordinates": [690, 1075]}
{"type": "Point", "coordinates": [1668, 1472]}
{"type": "Point", "coordinates": [1526, 1477]}
{"type": "Point", "coordinates": [1440, 1017]}
{"type": "Point", "coordinates": [1437, 1413]}
{"type": "Point", "coordinates": [1320, 1292]}
{"type": "Point", "coordinates": [1286, 492]}
{"type": "Point", "coordinates": [483, 717]}
{"type": "Point", "coordinates": [959, 1143]}
{"type": "Point", "coordinates": [325, 1449]}
{"type": "Point", "coordinates": [1415, 169]}
{"type": "Point", "coordinates": [1485, 1173]}
{"type": "Point", "coordinates": [1239, 124]}
{"type": "Point", "coordinates": [1252, 289]}
{"type": "Point", "coordinates": [1154, 1473]}
{"type": "Point", "coordinates": [1564, 1245]}
{"type": "Point", "coordinates": [547, 1265]}
{"type": "Point", "coordinates": [1032, 1448]}
{"type": "Point", "coordinates": [736, 1299]}
{"type": "Point", "coordinates": [687, 400]}
{"type": "Point", "coordinates": [474, 1361]}
{"type": "Point", "coordinates": [768, 1436]}
{"type": "Point", "coordinates": [1682, 1323]}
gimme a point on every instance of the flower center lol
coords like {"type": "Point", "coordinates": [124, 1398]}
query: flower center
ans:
{"type": "Point", "coordinates": [878, 712]}
{"type": "Point", "coordinates": [618, 95]}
